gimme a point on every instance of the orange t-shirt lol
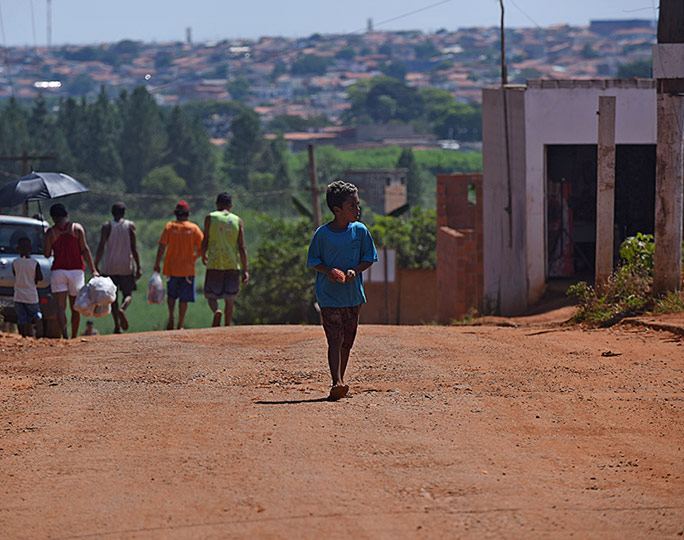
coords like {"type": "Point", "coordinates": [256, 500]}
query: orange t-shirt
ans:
{"type": "Point", "coordinates": [183, 241]}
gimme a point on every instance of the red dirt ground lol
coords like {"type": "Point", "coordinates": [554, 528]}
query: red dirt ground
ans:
{"type": "Point", "coordinates": [538, 431]}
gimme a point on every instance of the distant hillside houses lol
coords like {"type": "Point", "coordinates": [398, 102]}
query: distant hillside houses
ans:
{"type": "Point", "coordinates": [311, 76]}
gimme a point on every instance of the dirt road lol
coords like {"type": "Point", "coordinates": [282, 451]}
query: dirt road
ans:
{"type": "Point", "coordinates": [450, 432]}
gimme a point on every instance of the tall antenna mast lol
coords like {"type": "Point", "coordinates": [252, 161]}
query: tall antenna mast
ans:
{"type": "Point", "coordinates": [49, 24]}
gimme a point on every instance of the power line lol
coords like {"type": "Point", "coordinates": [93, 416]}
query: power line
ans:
{"type": "Point", "coordinates": [526, 14]}
{"type": "Point", "coordinates": [419, 10]}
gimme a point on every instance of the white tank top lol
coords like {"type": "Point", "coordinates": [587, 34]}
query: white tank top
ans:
{"type": "Point", "coordinates": [24, 280]}
{"type": "Point", "coordinates": [118, 259]}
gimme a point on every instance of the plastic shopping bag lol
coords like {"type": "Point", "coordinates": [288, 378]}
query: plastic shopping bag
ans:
{"type": "Point", "coordinates": [102, 290]}
{"type": "Point", "coordinates": [102, 310]}
{"type": "Point", "coordinates": [155, 289]}
{"type": "Point", "coordinates": [83, 304]}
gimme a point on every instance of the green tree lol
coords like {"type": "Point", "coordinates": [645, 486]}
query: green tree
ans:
{"type": "Point", "coordinates": [414, 240]}
{"type": "Point", "coordinates": [396, 70]}
{"type": "Point", "coordinates": [310, 64]}
{"type": "Point", "coordinates": [47, 137]}
{"type": "Point", "coordinates": [103, 129]}
{"type": "Point", "coordinates": [143, 137]}
{"type": "Point", "coordinates": [14, 135]}
{"type": "Point", "coordinates": [163, 180]}
{"type": "Point", "coordinates": [425, 50]}
{"type": "Point", "coordinates": [190, 152]}
{"type": "Point", "coordinates": [281, 288]}
{"type": "Point", "coordinates": [245, 144]}
{"type": "Point", "coordinates": [384, 99]}
{"type": "Point", "coordinates": [414, 183]}
{"type": "Point", "coordinates": [638, 68]}
{"type": "Point", "coordinates": [345, 53]}
{"type": "Point", "coordinates": [238, 89]}
{"type": "Point", "coordinates": [457, 121]}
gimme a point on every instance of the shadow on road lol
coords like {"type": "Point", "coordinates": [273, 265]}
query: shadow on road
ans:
{"type": "Point", "coordinates": [291, 401]}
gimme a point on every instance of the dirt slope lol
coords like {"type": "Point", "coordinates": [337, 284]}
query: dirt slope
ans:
{"type": "Point", "coordinates": [474, 432]}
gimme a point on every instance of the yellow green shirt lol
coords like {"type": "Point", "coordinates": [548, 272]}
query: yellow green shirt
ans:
{"type": "Point", "coordinates": [222, 253]}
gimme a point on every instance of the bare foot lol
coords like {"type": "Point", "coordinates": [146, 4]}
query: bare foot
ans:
{"type": "Point", "coordinates": [338, 391]}
{"type": "Point", "coordinates": [170, 324]}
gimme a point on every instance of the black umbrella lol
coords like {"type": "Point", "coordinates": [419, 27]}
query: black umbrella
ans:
{"type": "Point", "coordinates": [37, 186]}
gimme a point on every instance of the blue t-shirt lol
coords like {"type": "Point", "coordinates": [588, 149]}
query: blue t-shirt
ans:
{"type": "Point", "coordinates": [344, 250]}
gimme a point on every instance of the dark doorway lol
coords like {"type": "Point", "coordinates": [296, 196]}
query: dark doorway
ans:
{"type": "Point", "coordinates": [571, 204]}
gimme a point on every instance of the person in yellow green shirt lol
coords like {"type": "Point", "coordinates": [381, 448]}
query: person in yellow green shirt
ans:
{"type": "Point", "coordinates": [182, 241]}
{"type": "Point", "coordinates": [225, 256]}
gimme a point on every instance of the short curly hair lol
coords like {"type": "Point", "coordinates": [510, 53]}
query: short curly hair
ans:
{"type": "Point", "coordinates": [337, 193]}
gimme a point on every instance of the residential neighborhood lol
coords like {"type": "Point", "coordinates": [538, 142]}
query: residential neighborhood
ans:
{"type": "Point", "coordinates": [309, 77]}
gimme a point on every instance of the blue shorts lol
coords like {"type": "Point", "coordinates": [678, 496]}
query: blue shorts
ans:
{"type": "Point", "coordinates": [27, 313]}
{"type": "Point", "coordinates": [182, 288]}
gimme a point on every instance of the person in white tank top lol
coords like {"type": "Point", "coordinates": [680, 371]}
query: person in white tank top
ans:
{"type": "Point", "coordinates": [118, 252]}
{"type": "Point", "coordinates": [27, 274]}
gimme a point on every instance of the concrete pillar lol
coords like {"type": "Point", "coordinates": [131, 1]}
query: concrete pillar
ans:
{"type": "Point", "coordinates": [605, 190]}
{"type": "Point", "coordinates": [668, 209]}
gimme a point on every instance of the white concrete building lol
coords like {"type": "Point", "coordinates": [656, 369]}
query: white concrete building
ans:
{"type": "Point", "coordinates": [539, 198]}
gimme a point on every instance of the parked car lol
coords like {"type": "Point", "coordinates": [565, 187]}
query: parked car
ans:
{"type": "Point", "coordinates": [12, 228]}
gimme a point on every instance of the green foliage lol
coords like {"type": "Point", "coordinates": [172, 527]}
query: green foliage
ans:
{"type": "Point", "coordinates": [244, 146]}
{"type": "Point", "coordinates": [310, 64]}
{"type": "Point", "coordinates": [163, 180]}
{"type": "Point", "coordinates": [414, 239]}
{"type": "Point", "coordinates": [396, 70]}
{"type": "Point", "coordinates": [281, 288]}
{"type": "Point", "coordinates": [143, 137]}
{"type": "Point", "coordinates": [386, 99]}
{"type": "Point", "coordinates": [346, 53]}
{"type": "Point", "coordinates": [628, 289]}
{"type": "Point", "coordinates": [287, 123]}
{"type": "Point", "coordinates": [637, 253]}
{"type": "Point", "coordinates": [425, 50]}
{"type": "Point", "coordinates": [638, 68]}
{"type": "Point", "coordinates": [238, 89]}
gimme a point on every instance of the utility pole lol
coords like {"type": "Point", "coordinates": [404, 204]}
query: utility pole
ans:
{"type": "Point", "coordinates": [49, 24]}
{"type": "Point", "coordinates": [314, 187]}
{"type": "Point", "coordinates": [504, 73]}
{"type": "Point", "coordinates": [605, 190]}
{"type": "Point", "coordinates": [668, 70]}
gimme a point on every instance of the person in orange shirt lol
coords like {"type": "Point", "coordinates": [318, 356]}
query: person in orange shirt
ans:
{"type": "Point", "coordinates": [182, 241]}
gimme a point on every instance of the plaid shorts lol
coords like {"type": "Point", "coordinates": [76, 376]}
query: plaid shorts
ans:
{"type": "Point", "coordinates": [340, 324]}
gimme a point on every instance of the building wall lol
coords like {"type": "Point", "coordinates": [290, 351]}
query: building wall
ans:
{"type": "Point", "coordinates": [412, 299]}
{"type": "Point", "coordinates": [382, 189]}
{"type": "Point", "coordinates": [564, 112]}
{"type": "Point", "coordinates": [543, 113]}
{"type": "Point", "coordinates": [459, 246]}
{"type": "Point", "coordinates": [504, 229]}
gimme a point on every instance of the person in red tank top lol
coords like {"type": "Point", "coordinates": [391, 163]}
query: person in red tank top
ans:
{"type": "Point", "coordinates": [67, 242]}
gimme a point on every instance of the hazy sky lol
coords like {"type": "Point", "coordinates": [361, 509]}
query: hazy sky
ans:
{"type": "Point", "coordinates": [96, 21]}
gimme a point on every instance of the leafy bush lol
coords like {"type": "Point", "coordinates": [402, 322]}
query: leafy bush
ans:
{"type": "Point", "coordinates": [280, 288]}
{"type": "Point", "coordinates": [627, 290]}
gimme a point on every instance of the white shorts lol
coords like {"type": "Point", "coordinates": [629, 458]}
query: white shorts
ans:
{"type": "Point", "coordinates": [70, 281]}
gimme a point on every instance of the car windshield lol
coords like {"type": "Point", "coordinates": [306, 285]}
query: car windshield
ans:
{"type": "Point", "coordinates": [10, 233]}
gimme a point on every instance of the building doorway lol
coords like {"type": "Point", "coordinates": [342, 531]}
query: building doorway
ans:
{"type": "Point", "coordinates": [571, 204]}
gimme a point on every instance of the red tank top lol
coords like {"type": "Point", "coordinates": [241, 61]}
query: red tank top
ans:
{"type": "Point", "coordinates": [67, 251]}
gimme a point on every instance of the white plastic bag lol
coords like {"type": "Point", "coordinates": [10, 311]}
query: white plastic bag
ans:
{"type": "Point", "coordinates": [102, 290]}
{"type": "Point", "coordinates": [83, 304]}
{"type": "Point", "coordinates": [102, 310]}
{"type": "Point", "coordinates": [155, 289]}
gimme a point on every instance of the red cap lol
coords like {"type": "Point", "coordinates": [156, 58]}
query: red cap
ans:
{"type": "Point", "coordinates": [183, 206]}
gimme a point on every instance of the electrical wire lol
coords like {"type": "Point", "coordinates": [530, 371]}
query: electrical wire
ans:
{"type": "Point", "coordinates": [419, 10]}
{"type": "Point", "coordinates": [521, 10]}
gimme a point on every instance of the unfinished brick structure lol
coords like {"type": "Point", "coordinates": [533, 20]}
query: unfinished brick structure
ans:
{"type": "Point", "coordinates": [460, 274]}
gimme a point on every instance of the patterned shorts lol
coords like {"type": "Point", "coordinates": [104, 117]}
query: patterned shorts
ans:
{"type": "Point", "coordinates": [340, 324]}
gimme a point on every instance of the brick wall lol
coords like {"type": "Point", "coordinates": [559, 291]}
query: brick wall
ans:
{"type": "Point", "coordinates": [412, 299]}
{"type": "Point", "coordinates": [460, 273]}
